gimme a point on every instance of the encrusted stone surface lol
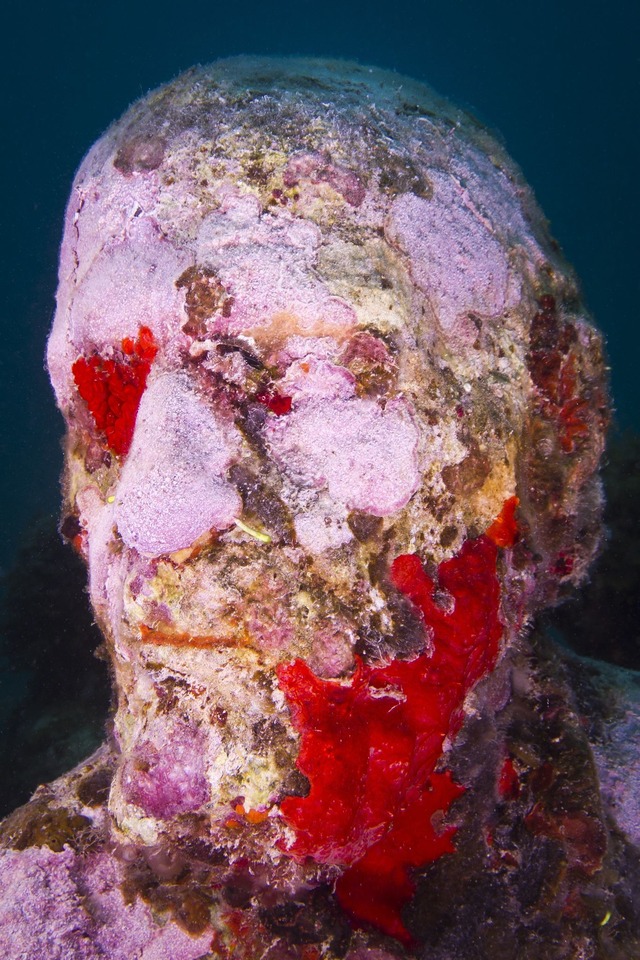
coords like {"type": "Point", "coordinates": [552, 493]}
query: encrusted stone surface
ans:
{"type": "Point", "coordinates": [335, 413]}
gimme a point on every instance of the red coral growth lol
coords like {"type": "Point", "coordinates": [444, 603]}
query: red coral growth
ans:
{"type": "Point", "coordinates": [369, 748]}
{"type": "Point", "coordinates": [554, 370]}
{"type": "Point", "coordinates": [275, 402]}
{"type": "Point", "coordinates": [564, 563]}
{"type": "Point", "coordinates": [509, 781]}
{"type": "Point", "coordinates": [112, 387]}
{"type": "Point", "coordinates": [504, 529]}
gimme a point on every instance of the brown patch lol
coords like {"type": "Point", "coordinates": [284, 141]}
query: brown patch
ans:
{"type": "Point", "coordinates": [267, 733]}
{"type": "Point", "coordinates": [192, 912]}
{"type": "Point", "coordinates": [188, 899]}
{"type": "Point", "coordinates": [256, 173]}
{"type": "Point", "coordinates": [367, 357]}
{"type": "Point", "coordinates": [139, 155]}
{"type": "Point", "coordinates": [294, 783]}
{"type": "Point", "coordinates": [400, 175]}
{"type": "Point", "coordinates": [364, 526]}
{"type": "Point", "coordinates": [93, 790]}
{"type": "Point", "coordinates": [466, 477]}
{"type": "Point", "coordinates": [314, 917]}
{"type": "Point", "coordinates": [37, 824]}
{"type": "Point", "coordinates": [261, 501]}
{"type": "Point", "coordinates": [448, 535]}
{"type": "Point", "coordinates": [71, 527]}
{"type": "Point", "coordinates": [204, 297]}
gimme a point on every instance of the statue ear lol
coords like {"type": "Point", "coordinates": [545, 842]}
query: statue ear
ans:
{"type": "Point", "coordinates": [562, 441]}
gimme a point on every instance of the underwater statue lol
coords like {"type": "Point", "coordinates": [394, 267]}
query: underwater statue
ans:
{"type": "Point", "coordinates": [334, 413]}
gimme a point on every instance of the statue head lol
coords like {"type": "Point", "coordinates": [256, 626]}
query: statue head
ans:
{"type": "Point", "coordinates": [313, 346]}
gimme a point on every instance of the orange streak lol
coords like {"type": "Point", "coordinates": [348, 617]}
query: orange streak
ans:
{"type": "Point", "coordinates": [175, 639]}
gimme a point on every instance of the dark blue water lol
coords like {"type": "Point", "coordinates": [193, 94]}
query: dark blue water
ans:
{"type": "Point", "coordinates": [559, 80]}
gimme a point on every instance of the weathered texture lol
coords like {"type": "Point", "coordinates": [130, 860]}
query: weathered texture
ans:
{"type": "Point", "coordinates": [335, 413]}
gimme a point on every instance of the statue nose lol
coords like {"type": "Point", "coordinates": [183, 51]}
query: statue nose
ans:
{"type": "Point", "coordinates": [173, 486]}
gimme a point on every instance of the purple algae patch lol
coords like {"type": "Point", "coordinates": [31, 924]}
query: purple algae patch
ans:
{"type": "Point", "coordinates": [167, 780]}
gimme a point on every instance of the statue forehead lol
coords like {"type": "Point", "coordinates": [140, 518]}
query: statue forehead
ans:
{"type": "Point", "coordinates": [327, 195]}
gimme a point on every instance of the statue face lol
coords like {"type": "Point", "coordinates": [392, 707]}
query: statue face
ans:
{"type": "Point", "coordinates": [252, 414]}
{"type": "Point", "coordinates": [293, 344]}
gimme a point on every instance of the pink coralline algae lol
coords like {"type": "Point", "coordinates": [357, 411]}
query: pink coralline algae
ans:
{"type": "Point", "coordinates": [334, 415]}
{"type": "Point", "coordinates": [166, 784]}
{"type": "Point", "coordinates": [320, 442]}
{"type": "Point", "coordinates": [465, 246]}
{"type": "Point", "coordinates": [173, 484]}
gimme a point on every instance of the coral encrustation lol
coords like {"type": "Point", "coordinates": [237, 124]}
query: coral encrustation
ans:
{"type": "Point", "coordinates": [370, 747]}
